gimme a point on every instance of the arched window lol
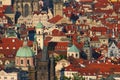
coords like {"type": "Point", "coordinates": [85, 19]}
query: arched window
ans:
{"type": "Point", "coordinates": [26, 10]}
{"type": "Point", "coordinates": [28, 62]}
{"type": "Point", "coordinates": [21, 61]}
{"type": "Point", "coordinates": [7, 62]}
{"type": "Point", "coordinates": [76, 55]}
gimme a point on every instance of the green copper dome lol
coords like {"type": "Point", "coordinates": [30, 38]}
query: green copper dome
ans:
{"type": "Point", "coordinates": [39, 25]}
{"type": "Point", "coordinates": [25, 51]}
{"type": "Point", "coordinates": [18, 25]}
{"type": "Point", "coordinates": [73, 49]}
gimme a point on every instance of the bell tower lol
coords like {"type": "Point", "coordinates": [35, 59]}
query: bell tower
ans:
{"type": "Point", "coordinates": [58, 7]}
{"type": "Point", "coordinates": [26, 7]}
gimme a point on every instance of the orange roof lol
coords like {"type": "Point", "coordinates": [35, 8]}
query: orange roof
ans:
{"type": "Point", "coordinates": [86, 0]}
{"type": "Point", "coordinates": [96, 67]}
{"type": "Point", "coordinates": [55, 19]}
{"type": "Point", "coordinates": [95, 38]}
{"type": "Point", "coordinates": [56, 32]}
{"type": "Point", "coordinates": [12, 42]}
{"type": "Point", "coordinates": [99, 29]}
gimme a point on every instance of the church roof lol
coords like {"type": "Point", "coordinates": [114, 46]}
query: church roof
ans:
{"type": "Point", "coordinates": [25, 51]}
{"type": "Point", "coordinates": [73, 49]}
{"type": "Point", "coordinates": [55, 19]}
{"type": "Point", "coordinates": [39, 25]}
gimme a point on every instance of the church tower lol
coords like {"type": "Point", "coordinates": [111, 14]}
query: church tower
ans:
{"type": "Point", "coordinates": [26, 7]}
{"type": "Point", "coordinates": [39, 35]}
{"type": "Point", "coordinates": [87, 49]}
{"type": "Point", "coordinates": [43, 66]}
{"type": "Point", "coordinates": [58, 7]}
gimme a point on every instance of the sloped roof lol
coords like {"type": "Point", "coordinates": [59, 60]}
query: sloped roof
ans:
{"type": "Point", "coordinates": [55, 19]}
{"type": "Point", "coordinates": [25, 52]}
{"type": "Point", "coordinates": [73, 49]}
{"type": "Point", "coordinates": [39, 25]}
{"type": "Point", "coordinates": [93, 68]}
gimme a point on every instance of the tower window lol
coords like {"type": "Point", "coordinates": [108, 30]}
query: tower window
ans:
{"type": "Point", "coordinates": [26, 10]}
{"type": "Point", "coordinates": [21, 61]}
{"type": "Point", "coordinates": [39, 32]}
{"type": "Point", "coordinates": [28, 62]}
{"type": "Point", "coordinates": [76, 55]}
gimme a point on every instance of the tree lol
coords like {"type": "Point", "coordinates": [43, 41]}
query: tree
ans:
{"type": "Point", "coordinates": [60, 57]}
{"type": "Point", "coordinates": [66, 78]}
{"type": "Point", "coordinates": [78, 77]}
{"type": "Point", "coordinates": [102, 79]}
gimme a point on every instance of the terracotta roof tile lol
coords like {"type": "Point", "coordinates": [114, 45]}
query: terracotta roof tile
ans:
{"type": "Point", "coordinates": [96, 67]}
{"type": "Point", "coordinates": [55, 19]}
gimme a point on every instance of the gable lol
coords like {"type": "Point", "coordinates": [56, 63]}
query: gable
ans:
{"type": "Point", "coordinates": [113, 46]}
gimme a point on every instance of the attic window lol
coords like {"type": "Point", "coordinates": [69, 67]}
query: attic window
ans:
{"type": "Point", "coordinates": [13, 40]}
{"type": "Point", "coordinates": [1, 47]}
{"type": "Point", "coordinates": [113, 47]}
{"type": "Point", "coordinates": [13, 47]}
{"type": "Point", "coordinates": [7, 48]}
{"type": "Point", "coordinates": [7, 62]}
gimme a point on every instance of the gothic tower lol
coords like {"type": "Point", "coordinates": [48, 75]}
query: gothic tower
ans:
{"type": "Point", "coordinates": [42, 67]}
{"type": "Point", "coordinates": [45, 67]}
{"type": "Point", "coordinates": [58, 7]}
{"type": "Point", "coordinates": [87, 49]}
{"type": "Point", "coordinates": [52, 68]}
{"type": "Point", "coordinates": [26, 7]}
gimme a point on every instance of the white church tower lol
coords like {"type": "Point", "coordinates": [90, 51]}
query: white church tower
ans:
{"type": "Point", "coordinates": [39, 35]}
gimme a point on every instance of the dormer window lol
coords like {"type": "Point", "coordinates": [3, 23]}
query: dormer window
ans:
{"type": "Point", "coordinates": [13, 47]}
{"type": "Point", "coordinates": [113, 47]}
{"type": "Point", "coordinates": [7, 62]}
{"type": "Point", "coordinates": [7, 48]}
{"type": "Point", "coordinates": [1, 47]}
{"type": "Point", "coordinates": [13, 40]}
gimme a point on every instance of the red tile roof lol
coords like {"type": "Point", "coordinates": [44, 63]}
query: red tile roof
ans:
{"type": "Point", "coordinates": [56, 32]}
{"type": "Point", "coordinates": [99, 29]}
{"type": "Point", "coordinates": [55, 19]}
{"type": "Point", "coordinates": [12, 42]}
{"type": "Point", "coordinates": [61, 46]}
{"type": "Point", "coordinates": [86, 0]}
{"type": "Point", "coordinates": [96, 67]}
{"type": "Point", "coordinates": [94, 38]}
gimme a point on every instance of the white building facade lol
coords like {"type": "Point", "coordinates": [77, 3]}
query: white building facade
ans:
{"type": "Point", "coordinates": [8, 76]}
